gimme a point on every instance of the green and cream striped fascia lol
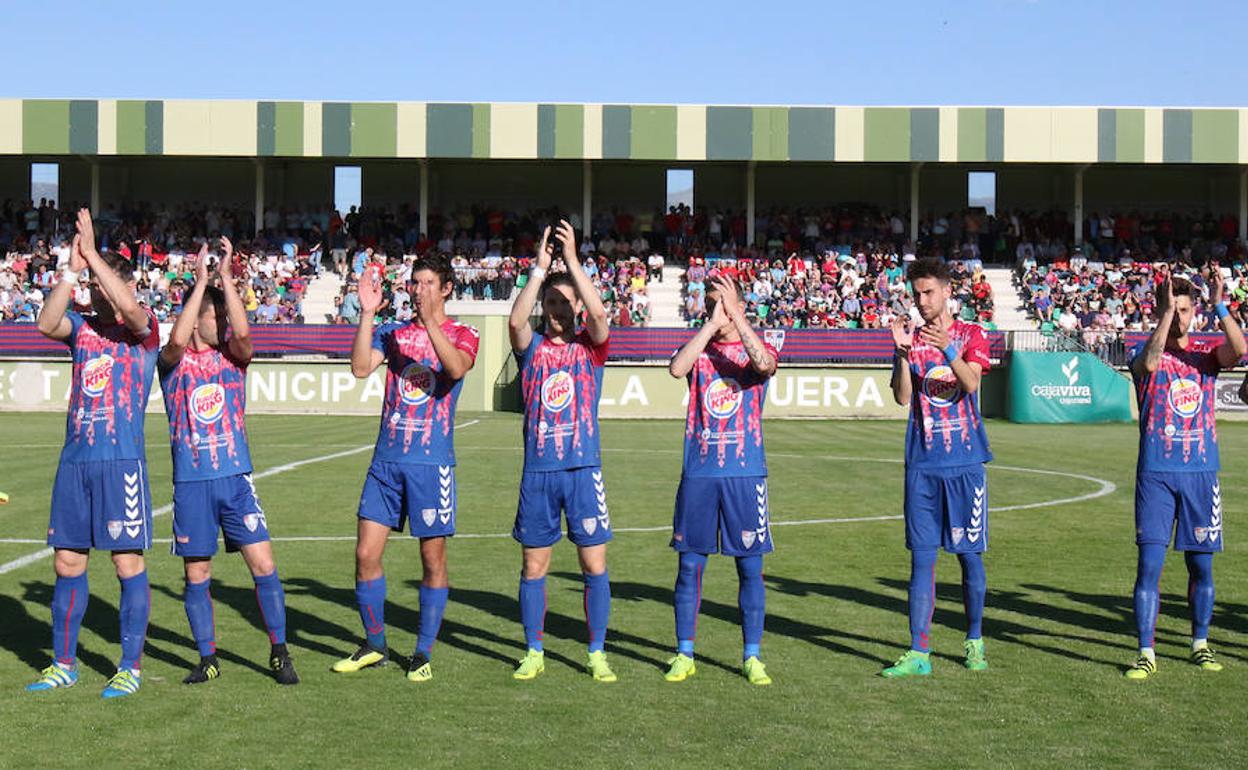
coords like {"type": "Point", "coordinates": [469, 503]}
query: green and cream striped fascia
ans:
{"type": "Point", "coordinates": [624, 132]}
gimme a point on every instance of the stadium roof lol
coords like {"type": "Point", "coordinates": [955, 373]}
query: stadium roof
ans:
{"type": "Point", "coordinates": [625, 132]}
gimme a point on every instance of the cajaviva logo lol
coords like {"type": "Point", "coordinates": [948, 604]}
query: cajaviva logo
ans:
{"type": "Point", "coordinates": [1071, 392]}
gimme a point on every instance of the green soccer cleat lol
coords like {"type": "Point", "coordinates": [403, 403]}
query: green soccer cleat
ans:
{"type": "Point", "coordinates": [755, 672]}
{"type": "Point", "coordinates": [975, 660]}
{"type": "Point", "coordinates": [1143, 668]}
{"type": "Point", "coordinates": [913, 663]}
{"type": "Point", "coordinates": [205, 670]}
{"type": "Point", "coordinates": [418, 668]}
{"type": "Point", "coordinates": [681, 668]}
{"type": "Point", "coordinates": [54, 677]}
{"type": "Point", "coordinates": [532, 664]}
{"type": "Point", "coordinates": [362, 658]}
{"type": "Point", "coordinates": [599, 668]}
{"type": "Point", "coordinates": [123, 683]}
{"type": "Point", "coordinates": [1203, 657]}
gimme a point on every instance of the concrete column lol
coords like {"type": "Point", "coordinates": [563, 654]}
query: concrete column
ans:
{"type": "Point", "coordinates": [1078, 216]}
{"type": "Point", "coordinates": [424, 197]}
{"type": "Point", "coordinates": [749, 203]}
{"type": "Point", "coordinates": [95, 188]}
{"type": "Point", "coordinates": [587, 198]}
{"type": "Point", "coordinates": [1243, 204]}
{"type": "Point", "coordinates": [259, 197]}
{"type": "Point", "coordinates": [914, 202]}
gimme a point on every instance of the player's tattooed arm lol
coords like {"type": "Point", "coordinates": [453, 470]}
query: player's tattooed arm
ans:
{"type": "Point", "coordinates": [184, 326]}
{"type": "Point", "coordinates": [364, 357]}
{"type": "Point", "coordinates": [240, 330]}
{"type": "Point", "coordinates": [1148, 361]}
{"type": "Point", "coordinates": [1231, 351]}
{"type": "Point", "coordinates": [52, 321]}
{"type": "Point", "coordinates": [518, 327]}
{"type": "Point", "coordinates": [596, 321]}
{"type": "Point", "coordinates": [730, 300]}
{"type": "Point", "coordinates": [133, 315]}
{"type": "Point", "coordinates": [903, 340]}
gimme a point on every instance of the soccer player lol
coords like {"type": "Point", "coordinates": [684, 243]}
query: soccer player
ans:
{"type": "Point", "coordinates": [412, 476]}
{"type": "Point", "coordinates": [101, 499]}
{"type": "Point", "coordinates": [1176, 485]}
{"type": "Point", "coordinates": [560, 379]}
{"type": "Point", "coordinates": [203, 374]}
{"type": "Point", "coordinates": [937, 373]}
{"type": "Point", "coordinates": [722, 501]}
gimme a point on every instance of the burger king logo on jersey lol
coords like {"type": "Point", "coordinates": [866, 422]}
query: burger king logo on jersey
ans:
{"type": "Point", "coordinates": [96, 375]}
{"type": "Point", "coordinates": [722, 398]}
{"type": "Point", "coordinates": [557, 391]}
{"type": "Point", "coordinates": [415, 384]}
{"type": "Point", "coordinates": [208, 403]}
{"type": "Point", "coordinates": [1185, 396]}
{"type": "Point", "coordinates": [941, 386]}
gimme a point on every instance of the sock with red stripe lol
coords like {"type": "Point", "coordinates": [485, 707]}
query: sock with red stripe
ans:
{"type": "Point", "coordinates": [533, 610]}
{"type": "Point", "coordinates": [597, 608]}
{"type": "Point", "coordinates": [688, 599]}
{"type": "Point", "coordinates": [199, 614]}
{"type": "Point", "coordinates": [272, 601]}
{"type": "Point", "coordinates": [370, 596]}
{"type": "Point", "coordinates": [135, 608]}
{"type": "Point", "coordinates": [69, 604]}
{"type": "Point", "coordinates": [922, 597]}
{"type": "Point", "coordinates": [432, 607]}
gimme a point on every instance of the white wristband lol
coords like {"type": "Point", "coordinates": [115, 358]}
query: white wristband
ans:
{"type": "Point", "coordinates": [537, 273]}
{"type": "Point", "coordinates": [69, 275]}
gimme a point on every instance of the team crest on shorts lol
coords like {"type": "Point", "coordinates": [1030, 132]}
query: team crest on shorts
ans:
{"type": "Point", "coordinates": [114, 529]}
{"type": "Point", "coordinates": [747, 537]}
{"type": "Point", "coordinates": [429, 515]}
{"type": "Point", "coordinates": [957, 533]}
{"type": "Point", "coordinates": [253, 520]}
{"type": "Point", "coordinates": [589, 524]}
{"type": "Point", "coordinates": [1202, 534]}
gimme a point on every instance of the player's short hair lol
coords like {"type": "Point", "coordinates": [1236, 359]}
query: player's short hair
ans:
{"type": "Point", "coordinates": [928, 267]}
{"type": "Point", "coordinates": [558, 279]}
{"type": "Point", "coordinates": [1182, 287]}
{"type": "Point", "coordinates": [733, 282]}
{"type": "Point", "coordinates": [122, 267]}
{"type": "Point", "coordinates": [439, 265]}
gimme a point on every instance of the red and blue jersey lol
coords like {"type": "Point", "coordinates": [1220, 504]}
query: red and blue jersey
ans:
{"type": "Point", "coordinates": [724, 424]}
{"type": "Point", "coordinates": [945, 428]}
{"type": "Point", "coordinates": [205, 399]}
{"type": "Point", "coordinates": [1177, 403]}
{"type": "Point", "coordinates": [418, 414]}
{"type": "Point", "coordinates": [561, 384]}
{"type": "Point", "coordinates": [112, 380]}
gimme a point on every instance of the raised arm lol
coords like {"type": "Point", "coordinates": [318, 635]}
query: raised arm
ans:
{"type": "Point", "coordinates": [364, 358]}
{"type": "Point", "coordinates": [518, 327]}
{"type": "Point", "coordinates": [596, 320]}
{"type": "Point", "coordinates": [240, 329]}
{"type": "Point", "coordinates": [687, 357]}
{"type": "Point", "coordinates": [903, 340]}
{"type": "Point", "coordinates": [52, 321]}
{"type": "Point", "coordinates": [1150, 358]}
{"type": "Point", "coordinates": [761, 360]}
{"type": "Point", "coordinates": [184, 326]}
{"type": "Point", "coordinates": [132, 313]}
{"type": "Point", "coordinates": [1231, 351]}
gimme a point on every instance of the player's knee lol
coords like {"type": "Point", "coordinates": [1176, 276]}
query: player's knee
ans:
{"type": "Point", "coordinates": [536, 563]}
{"type": "Point", "coordinates": [749, 567]}
{"type": "Point", "coordinates": [128, 563]}
{"type": "Point", "coordinates": [198, 570]}
{"type": "Point", "coordinates": [69, 564]}
{"type": "Point", "coordinates": [593, 559]}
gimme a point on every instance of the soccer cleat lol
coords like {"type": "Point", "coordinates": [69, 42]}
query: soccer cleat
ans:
{"type": "Point", "coordinates": [532, 664]}
{"type": "Point", "coordinates": [418, 668]}
{"type": "Point", "coordinates": [599, 667]}
{"type": "Point", "coordinates": [205, 670]}
{"type": "Point", "coordinates": [123, 683]}
{"type": "Point", "coordinates": [913, 663]}
{"type": "Point", "coordinates": [1143, 668]}
{"type": "Point", "coordinates": [282, 667]}
{"type": "Point", "coordinates": [54, 677]}
{"type": "Point", "coordinates": [681, 668]}
{"type": "Point", "coordinates": [975, 660]}
{"type": "Point", "coordinates": [755, 671]}
{"type": "Point", "coordinates": [1203, 657]}
{"type": "Point", "coordinates": [362, 658]}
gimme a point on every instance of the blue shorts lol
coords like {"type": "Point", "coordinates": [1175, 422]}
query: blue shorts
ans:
{"type": "Point", "coordinates": [947, 508]}
{"type": "Point", "coordinates": [228, 504]}
{"type": "Point", "coordinates": [728, 514]}
{"type": "Point", "coordinates": [421, 495]}
{"type": "Point", "coordinates": [106, 505]}
{"type": "Point", "coordinates": [578, 493]}
{"type": "Point", "coordinates": [1190, 501]}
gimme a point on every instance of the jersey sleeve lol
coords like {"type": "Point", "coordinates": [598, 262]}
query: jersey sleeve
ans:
{"type": "Point", "coordinates": [75, 323]}
{"type": "Point", "coordinates": [597, 353]}
{"type": "Point", "coordinates": [976, 351]}
{"type": "Point", "coordinates": [151, 341]}
{"type": "Point", "coordinates": [467, 339]}
{"type": "Point", "coordinates": [381, 338]}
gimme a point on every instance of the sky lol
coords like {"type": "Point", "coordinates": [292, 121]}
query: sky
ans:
{"type": "Point", "coordinates": [905, 52]}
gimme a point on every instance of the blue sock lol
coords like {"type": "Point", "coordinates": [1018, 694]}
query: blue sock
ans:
{"type": "Point", "coordinates": [688, 599]}
{"type": "Point", "coordinates": [200, 615]}
{"type": "Point", "coordinates": [432, 607]}
{"type": "Point", "coordinates": [1147, 578]}
{"type": "Point", "coordinates": [922, 597]}
{"type": "Point", "coordinates": [69, 604]}
{"type": "Point", "coordinates": [1200, 591]}
{"type": "Point", "coordinates": [272, 601]}
{"type": "Point", "coordinates": [597, 608]}
{"type": "Point", "coordinates": [533, 610]}
{"type": "Point", "coordinates": [752, 600]}
{"type": "Point", "coordinates": [370, 596]}
{"type": "Point", "coordinates": [135, 607]}
{"type": "Point", "coordinates": [974, 587]}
